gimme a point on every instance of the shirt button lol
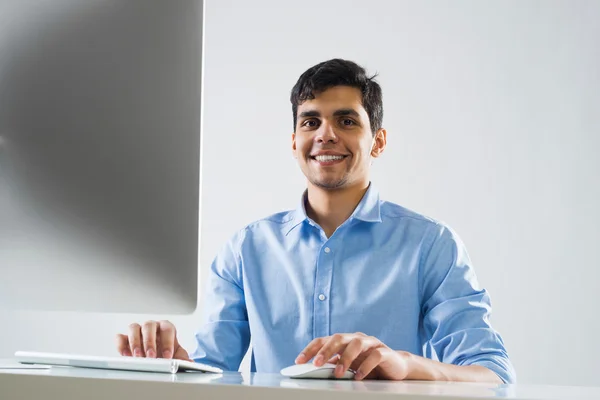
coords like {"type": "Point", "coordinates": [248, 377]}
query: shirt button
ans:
{"type": "Point", "coordinates": [327, 250]}
{"type": "Point", "coordinates": [321, 297]}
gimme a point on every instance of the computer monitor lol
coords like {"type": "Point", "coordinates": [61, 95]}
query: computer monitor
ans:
{"type": "Point", "coordinates": [100, 105]}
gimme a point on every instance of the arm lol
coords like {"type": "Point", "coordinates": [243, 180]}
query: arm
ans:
{"type": "Point", "coordinates": [456, 316]}
{"type": "Point", "coordinates": [372, 359]}
{"type": "Point", "coordinates": [224, 335]}
{"type": "Point", "coordinates": [425, 369]}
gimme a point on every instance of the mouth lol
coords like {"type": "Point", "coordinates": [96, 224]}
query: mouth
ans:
{"type": "Point", "coordinates": [328, 159]}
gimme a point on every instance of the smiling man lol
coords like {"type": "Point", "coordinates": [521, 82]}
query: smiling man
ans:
{"type": "Point", "coordinates": [345, 277]}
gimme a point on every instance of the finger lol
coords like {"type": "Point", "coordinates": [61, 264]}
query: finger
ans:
{"type": "Point", "coordinates": [334, 359]}
{"type": "Point", "coordinates": [168, 338]}
{"type": "Point", "coordinates": [149, 338]}
{"type": "Point", "coordinates": [135, 340]}
{"type": "Point", "coordinates": [335, 345]}
{"type": "Point", "coordinates": [352, 351]}
{"type": "Point", "coordinates": [310, 350]}
{"type": "Point", "coordinates": [123, 345]}
{"type": "Point", "coordinates": [181, 354]}
{"type": "Point", "coordinates": [369, 364]}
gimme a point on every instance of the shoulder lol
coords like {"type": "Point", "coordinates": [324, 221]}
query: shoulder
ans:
{"type": "Point", "coordinates": [395, 213]}
{"type": "Point", "coordinates": [264, 227]}
{"type": "Point", "coordinates": [441, 248]}
{"type": "Point", "coordinates": [258, 232]}
{"type": "Point", "coordinates": [432, 229]}
{"type": "Point", "coordinates": [272, 222]}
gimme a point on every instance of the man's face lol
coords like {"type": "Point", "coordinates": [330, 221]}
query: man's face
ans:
{"type": "Point", "coordinates": [333, 141]}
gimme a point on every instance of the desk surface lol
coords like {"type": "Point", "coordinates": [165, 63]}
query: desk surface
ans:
{"type": "Point", "coordinates": [56, 382]}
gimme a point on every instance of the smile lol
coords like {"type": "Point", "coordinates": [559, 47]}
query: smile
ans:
{"type": "Point", "coordinates": [326, 158]}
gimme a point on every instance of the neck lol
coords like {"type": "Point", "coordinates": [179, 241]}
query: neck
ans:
{"type": "Point", "coordinates": [330, 208]}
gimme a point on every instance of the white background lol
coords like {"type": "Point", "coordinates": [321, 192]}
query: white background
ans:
{"type": "Point", "coordinates": [492, 111]}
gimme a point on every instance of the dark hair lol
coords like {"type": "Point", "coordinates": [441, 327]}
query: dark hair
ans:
{"type": "Point", "coordinates": [338, 72]}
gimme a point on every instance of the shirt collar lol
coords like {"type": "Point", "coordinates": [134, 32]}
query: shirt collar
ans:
{"type": "Point", "coordinates": [367, 210]}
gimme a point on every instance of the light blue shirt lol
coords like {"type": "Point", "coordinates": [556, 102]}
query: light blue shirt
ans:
{"type": "Point", "coordinates": [386, 271]}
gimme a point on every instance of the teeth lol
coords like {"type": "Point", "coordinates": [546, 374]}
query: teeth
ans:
{"type": "Point", "coordinates": [328, 158]}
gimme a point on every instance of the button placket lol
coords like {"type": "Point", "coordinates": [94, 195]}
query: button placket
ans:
{"type": "Point", "coordinates": [322, 290]}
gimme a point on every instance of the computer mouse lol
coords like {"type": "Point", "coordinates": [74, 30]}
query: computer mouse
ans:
{"type": "Point", "coordinates": [311, 371]}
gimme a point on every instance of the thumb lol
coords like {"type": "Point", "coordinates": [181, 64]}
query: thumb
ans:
{"type": "Point", "coordinates": [180, 352]}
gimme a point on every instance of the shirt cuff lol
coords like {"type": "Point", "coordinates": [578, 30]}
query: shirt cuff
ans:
{"type": "Point", "coordinates": [500, 366]}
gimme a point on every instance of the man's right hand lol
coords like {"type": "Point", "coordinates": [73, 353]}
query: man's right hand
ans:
{"type": "Point", "coordinates": [153, 339]}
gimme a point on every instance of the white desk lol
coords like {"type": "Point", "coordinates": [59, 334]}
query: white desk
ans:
{"type": "Point", "coordinates": [66, 383]}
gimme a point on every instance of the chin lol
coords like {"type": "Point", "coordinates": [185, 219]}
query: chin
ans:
{"type": "Point", "coordinates": [330, 185]}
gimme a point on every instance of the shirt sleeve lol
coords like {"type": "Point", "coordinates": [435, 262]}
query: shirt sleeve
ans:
{"type": "Point", "coordinates": [456, 312]}
{"type": "Point", "coordinates": [224, 336]}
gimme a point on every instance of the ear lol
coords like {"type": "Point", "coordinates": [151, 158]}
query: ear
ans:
{"type": "Point", "coordinates": [379, 142]}
{"type": "Point", "coordinates": [294, 145]}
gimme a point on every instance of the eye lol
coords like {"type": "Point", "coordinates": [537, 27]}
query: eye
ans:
{"type": "Point", "coordinates": [310, 123]}
{"type": "Point", "coordinates": [347, 122]}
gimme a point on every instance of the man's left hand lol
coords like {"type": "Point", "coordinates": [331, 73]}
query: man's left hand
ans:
{"type": "Point", "coordinates": [366, 355]}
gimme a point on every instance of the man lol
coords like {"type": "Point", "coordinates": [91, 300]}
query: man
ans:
{"type": "Point", "coordinates": [345, 278]}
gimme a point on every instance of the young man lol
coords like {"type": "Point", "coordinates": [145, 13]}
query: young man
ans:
{"type": "Point", "coordinates": [345, 277]}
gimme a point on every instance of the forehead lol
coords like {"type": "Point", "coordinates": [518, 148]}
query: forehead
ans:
{"type": "Point", "coordinates": [333, 99]}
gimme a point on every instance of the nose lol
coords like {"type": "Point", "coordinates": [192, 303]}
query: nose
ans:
{"type": "Point", "coordinates": [326, 134]}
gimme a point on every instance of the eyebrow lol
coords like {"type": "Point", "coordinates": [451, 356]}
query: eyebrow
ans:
{"type": "Point", "coordinates": [337, 113]}
{"type": "Point", "coordinates": [310, 113]}
{"type": "Point", "coordinates": [346, 111]}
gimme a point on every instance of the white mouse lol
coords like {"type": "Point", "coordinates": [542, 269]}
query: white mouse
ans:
{"type": "Point", "coordinates": [310, 371]}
